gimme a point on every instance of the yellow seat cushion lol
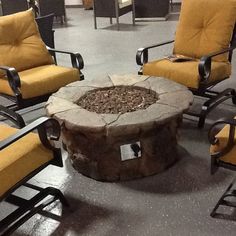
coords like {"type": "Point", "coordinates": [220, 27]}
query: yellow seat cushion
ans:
{"type": "Point", "coordinates": [186, 73]}
{"type": "Point", "coordinates": [41, 80]}
{"type": "Point", "coordinates": [20, 158]}
{"type": "Point", "coordinates": [223, 135]}
{"type": "Point", "coordinates": [205, 26]}
{"type": "Point", "coordinates": [21, 46]}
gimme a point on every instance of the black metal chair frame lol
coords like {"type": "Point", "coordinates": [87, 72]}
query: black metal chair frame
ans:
{"type": "Point", "coordinates": [10, 7]}
{"type": "Point", "coordinates": [48, 129]}
{"type": "Point", "coordinates": [14, 81]}
{"type": "Point", "coordinates": [216, 162]}
{"type": "Point", "coordinates": [110, 8]}
{"type": "Point", "coordinates": [204, 69]}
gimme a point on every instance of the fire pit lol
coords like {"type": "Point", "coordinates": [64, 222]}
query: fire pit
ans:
{"type": "Point", "coordinates": [120, 127]}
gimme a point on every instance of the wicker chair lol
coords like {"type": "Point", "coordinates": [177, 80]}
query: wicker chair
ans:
{"type": "Point", "coordinates": [45, 24]}
{"type": "Point", "coordinates": [57, 7]}
{"type": "Point", "coordinates": [13, 6]}
{"type": "Point", "coordinates": [113, 9]}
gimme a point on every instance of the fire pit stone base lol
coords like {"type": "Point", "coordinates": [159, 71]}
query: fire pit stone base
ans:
{"type": "Point", "coordinates": [111, 147]}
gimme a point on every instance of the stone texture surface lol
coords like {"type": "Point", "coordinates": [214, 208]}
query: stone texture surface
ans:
{"type": "Point", "coordinates": [94, 141]}
{"type": "Point", "coordinates": [99, 157]}
{"type": "Point", "coordinates": [99, 82]}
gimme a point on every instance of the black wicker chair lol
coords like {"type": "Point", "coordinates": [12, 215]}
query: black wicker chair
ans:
{"type": "Point", "coordinates": [13, 6]}
{"type": "Point", "coordinates": [57, 7]}
{"type": "Point", "coordinates": [27, 153]}
{"type": "Point", "coordinates": [151, 9]}
{"type": "Point", "coordinates": [206, 63]}
{"type": "Point", "coordinates": [112, 9]}
{"type": "Point", "coordinates": [45, 24]}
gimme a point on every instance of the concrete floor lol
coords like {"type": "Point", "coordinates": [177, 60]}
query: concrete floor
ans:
{"type": "Point", "coordinates": [175, 202]}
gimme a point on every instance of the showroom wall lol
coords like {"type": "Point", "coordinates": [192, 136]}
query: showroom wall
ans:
{"type": "Point", "coordinates": [79, 2]}
{"type": "Point", "coordinates": [73, 2]}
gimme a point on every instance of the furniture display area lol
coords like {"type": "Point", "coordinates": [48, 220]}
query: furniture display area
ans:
{"type": "Point", "coordinates": [29, 74]}
{"type": "Point", "coordinates": [113, 9]}
{"type": "Point", "coordinates": [207, 55]}
{"type": "Point", "coordinates": [124, 139]}
{"type": "Point", "coordinates": [223, 152]}
{"type": "Point", "coordinates": [151, 8]}
{"type": "Point", "coordinates": [23, 155]}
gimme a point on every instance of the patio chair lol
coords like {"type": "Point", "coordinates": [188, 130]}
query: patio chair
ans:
{"type": "Point", "coordinates": [223, 154]}
{"type": "Point", "coordinates": [28, 73]}
{"type": "Point", "coordinates": [151, 9]}
{"type": "Point", "coordinates": [112, 9]}
{"type": "Point", "coordinates": [57, 7]}
{"type": "Point", "coordinates": [13, 6]}
{"type": "Point", "coordinates": [203, 48]}
{"type": "Point", "coordinates": [23, 155]}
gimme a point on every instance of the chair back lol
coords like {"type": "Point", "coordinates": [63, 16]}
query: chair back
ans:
{"type": "Point", "coordinates": [45, 24]}
{"type": "Point", "coordinates": [20, 43]}
{"type": "Point", "coordinates": [13, 6]}
{"type": "Point", "coordinates": [104, 8]}
{"type": "Point", "coordinates": [205, 27]}
{"type": "Point", "coordinates": [46, 7]}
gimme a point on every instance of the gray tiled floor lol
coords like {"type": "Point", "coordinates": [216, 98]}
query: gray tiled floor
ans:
{"type": "Point", "coordinates": [175, 202]}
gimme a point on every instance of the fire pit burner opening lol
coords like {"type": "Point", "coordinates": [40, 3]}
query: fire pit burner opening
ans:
{"type": "Point", "coordinates": [117, 99]}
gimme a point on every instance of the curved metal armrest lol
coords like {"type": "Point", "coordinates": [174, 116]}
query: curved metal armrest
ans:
{"type": "Point", "coordinates": [204, 67]}
{"type": "Point", "coordinates": [144, 52]}
{"type": "Point", "coordinates": [213, 131]}
{"type": "Point", "coordinates": [12, 116]}
{"type": "Point", "coordinates": [48, 129]}
{"type": "Point", "coordinates": [76, 59]}
{"type": "Point", "coordinates": [13, 78]}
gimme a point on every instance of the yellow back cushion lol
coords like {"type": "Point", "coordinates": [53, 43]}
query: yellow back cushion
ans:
{"type": "Point", "coordinates": [21, 46]}
{"type": "Point", "coordinates": [205, 26]}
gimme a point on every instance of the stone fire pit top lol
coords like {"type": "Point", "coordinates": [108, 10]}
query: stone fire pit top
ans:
{"type": "Point", "coordinates": [173, 100]}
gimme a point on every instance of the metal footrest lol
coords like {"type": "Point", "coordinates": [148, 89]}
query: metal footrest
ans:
{"type": "Point", "coordinates": [223, 201]}
{"type": "Point", "coordinates": [27, 208]}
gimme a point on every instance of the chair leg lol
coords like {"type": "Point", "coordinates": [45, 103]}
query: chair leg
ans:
{"type": "Point", "coordinates": [117, 14]}
{"type": "Point", "coordinates": [62, 21]}
{"type": "Point", "coordinates": [65, 16]}
{"type": "Point", "coordinates": [111, 20]}
{"type": "Point", "coordinates": [118, 23]}
{"type": "Point", "coordinates": [95, 22]}
{"type": "Point", "coordinates": [233, 93]}
{"type": "Point", "coordinates": [133, 12]}
{"type": "Point", "coordinates": [214, 165]}
{"type": "Point", "coordinates": [28, 208]}
{"type": "Point", "coordinates": [171, 5]}
{"type": "Point", "coordinates": [223, 200]}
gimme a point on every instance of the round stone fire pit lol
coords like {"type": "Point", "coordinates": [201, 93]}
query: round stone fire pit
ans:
{"type": "Point", "coordinates": [120, 127]}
